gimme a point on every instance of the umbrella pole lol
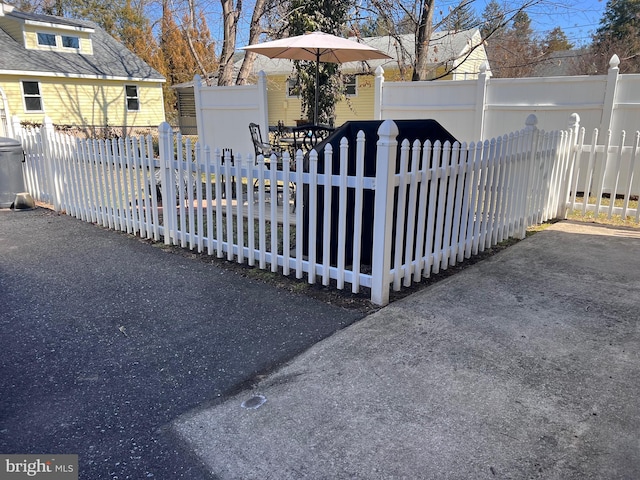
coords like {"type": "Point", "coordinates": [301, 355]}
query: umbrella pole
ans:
{"type": "Point", "coordinates": [315, 111]}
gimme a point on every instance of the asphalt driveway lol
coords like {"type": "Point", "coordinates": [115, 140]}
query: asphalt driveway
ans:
{"type": "Point", "coordinates": [107, 339]}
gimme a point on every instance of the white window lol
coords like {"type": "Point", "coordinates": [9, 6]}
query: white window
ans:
{"type": "Point", "coordinates": [133, 102]}
{"type": "Point", "coordinates": [46, 39]}
{"type": "Point", "coordinates": [350, 85]}
{"type": "Point", "coordinates": [293, 87]}
{"type": "Point", "coordinates": [32, 97]}
{"type": "Point", "coordinates": [70, 42]}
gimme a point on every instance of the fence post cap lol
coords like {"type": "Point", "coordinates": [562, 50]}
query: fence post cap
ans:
{"type": "Point", "coordinates": [485, 69]}
{"type": "Point", "coordinates": [388, 128]}
{"type": "Point", "coordinates": [531, 121]}
{"type": "Point", "coordinates": [614, 62]}
{"type": "Point", "coordinates": [164, 127]}
{"type": "Point", "coordinates": [379, 71]}
{"type": "Point", "coordinates": [574, 119]}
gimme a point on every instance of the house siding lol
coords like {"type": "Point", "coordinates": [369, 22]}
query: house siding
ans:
{"type": "Point", "coordinates": [281, 107]}
{"type": "Point", "coordinates": [289, 109]}
{"type": "Point", "coordinates": [82, 102]}
{"type": "Point", "coordinates": [13, 28]}
{"type": "Point", "coordinates": [359, 107]}
{"type": "Point", "coordinates": [469, 69]}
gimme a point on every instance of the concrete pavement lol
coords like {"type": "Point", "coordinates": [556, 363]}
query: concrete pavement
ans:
{"type": "Point", "coordinates": [523, 366]}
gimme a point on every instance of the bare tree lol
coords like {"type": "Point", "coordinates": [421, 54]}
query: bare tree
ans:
{"type": "Point", "coordinates": [423, 37]}
{"type": "Point", "coordinates": [422, 18]}
{"type": "Point", "coordinates": [230, 14]}
{"type": "Point", "coordinates": [254, 35]}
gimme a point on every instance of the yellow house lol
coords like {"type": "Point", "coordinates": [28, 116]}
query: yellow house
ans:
{"type": "Point", "coordinates": [75, 73]}
{"type": "Point", "coordinates": [452, 56]}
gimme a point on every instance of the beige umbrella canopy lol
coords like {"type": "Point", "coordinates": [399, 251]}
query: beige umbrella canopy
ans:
{"type": "Point", "coordinates": [318, 47]}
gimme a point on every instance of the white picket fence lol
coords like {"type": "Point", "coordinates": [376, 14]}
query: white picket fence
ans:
{"type": "Point", "coordinates": [100, 181]}
{"type": "Point", "coordinates": [428, 207]}
{"type": "Point", "coordinates": [600, 174]}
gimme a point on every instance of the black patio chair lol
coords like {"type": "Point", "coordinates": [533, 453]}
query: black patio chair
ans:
{"type": "Point", "coordinates": [306, 137]}
{"type": "Point", "coordinates": [267, 149]}
{"type": "Point", "coordinates": [260, 146]}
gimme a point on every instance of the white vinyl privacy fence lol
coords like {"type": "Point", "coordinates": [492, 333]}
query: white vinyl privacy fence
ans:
{"type": "Point", "coordinates": [426, 207]}
{"type": "Point", "coordinates": [487, 107]}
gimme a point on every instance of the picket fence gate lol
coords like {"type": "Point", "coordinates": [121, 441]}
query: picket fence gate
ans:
{"type": "Point", "coordinates": [428, 207]}
{"type": "Point", "coordinates": [603, 175]}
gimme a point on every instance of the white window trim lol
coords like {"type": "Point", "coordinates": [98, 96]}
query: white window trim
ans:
{"type": "Point", "coordinates": [286, 86]}
{"type": "Point", "coordinates": [127, 97]}
{"type": "Point", "coordinates": [59, 44]}
{"type": "Point", "coordinates": [40, 45]}
{"type": "Point", "coordinates": [24, 97]}
{"type": "Point", "coordinates": [71, 49]}
{"type": "Point", "coordinates": [355, 79]}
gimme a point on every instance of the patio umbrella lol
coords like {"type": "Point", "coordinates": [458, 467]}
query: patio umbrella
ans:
{"type": "Point", "coordinates": [317, 47]}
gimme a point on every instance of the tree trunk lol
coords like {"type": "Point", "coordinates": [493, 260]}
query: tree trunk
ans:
{"type": "Point", "coordinates": [194, 52]}
{"type": "Point", "coordinates": [192, 14]}
{"type": "Point", "coordinates": [254, 36]}
{"type": "Point", "coordinates": [423, 35]}
{"type": "Point", "coordinates": [230, 15]}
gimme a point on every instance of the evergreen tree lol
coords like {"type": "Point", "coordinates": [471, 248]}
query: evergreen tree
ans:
{"type": "Point", "coordinates": [134, 31]}
{"type": "Point", "coordinates": [556, 41]}
{"type": "Point", "coordinates": [513, 50]}
{"type": "Point", "coordinates": [522, 24]}
{"type": "Point", "coordinates": [621, 20]}
{"type": "Point", "coordinates": [493, 19]}
{"type": "Point", "coordinates": [461, 18]}
{"type": "Point", "coordinates": [619, 33]}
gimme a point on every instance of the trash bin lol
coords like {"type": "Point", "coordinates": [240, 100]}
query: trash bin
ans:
{"type": "Point", "coordinates": [11, 177]}
{"type": "Point", "coordinates": [411, 130]}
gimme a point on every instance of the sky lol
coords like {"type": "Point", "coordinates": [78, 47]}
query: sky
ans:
{"type": "Point", "coordinates": [578, 19]}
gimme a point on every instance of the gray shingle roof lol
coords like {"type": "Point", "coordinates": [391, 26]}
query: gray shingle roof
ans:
{"type": "Point", "coordinates": [562, 63]}
{"type": "Point", "coordinates": [110, 58]}
{"type": "Point", "coordinates": [45, 18]}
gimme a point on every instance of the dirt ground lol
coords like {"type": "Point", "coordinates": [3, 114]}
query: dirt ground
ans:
{"type": "Point", "coordinates": [329, 294]}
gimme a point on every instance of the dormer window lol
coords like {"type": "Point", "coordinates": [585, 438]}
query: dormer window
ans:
{"type": "Point", "coordinates": [61, 41]}
{"type": "Point", "coordinates": [70, 42]}
{"type": "Point", "coordinates": [46, 39]}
